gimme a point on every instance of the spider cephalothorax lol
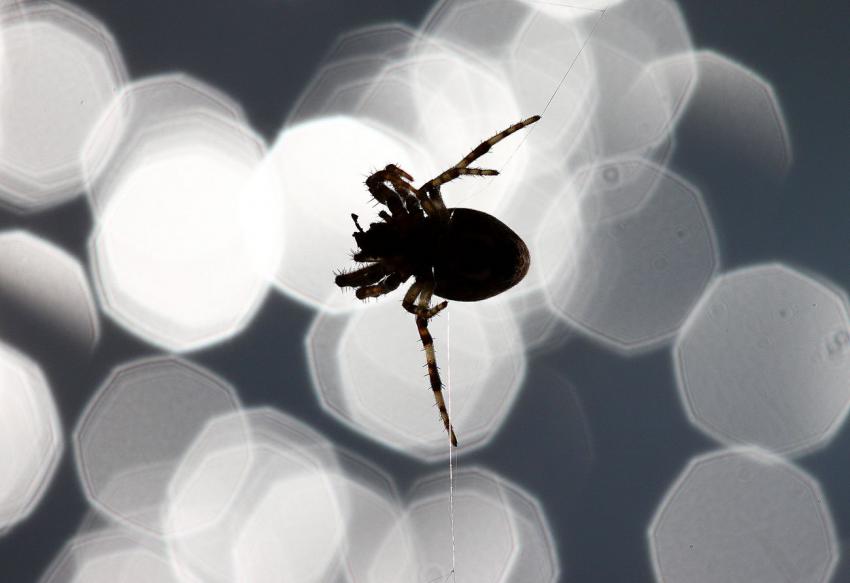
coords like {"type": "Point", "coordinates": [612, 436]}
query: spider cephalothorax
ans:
{"type": "Point", "coordinates": [454, 253]}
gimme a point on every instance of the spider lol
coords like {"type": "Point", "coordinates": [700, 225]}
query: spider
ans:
{"type": "Point", "coordinates": [454, 253]}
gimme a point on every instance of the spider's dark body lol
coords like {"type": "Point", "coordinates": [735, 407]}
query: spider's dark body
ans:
{"type": "Point", "coordinates": [470, 255]}
{"type": "Point", "coordinates": [477, 257]}
{"type": "Point", "coordinates": [455, 253]}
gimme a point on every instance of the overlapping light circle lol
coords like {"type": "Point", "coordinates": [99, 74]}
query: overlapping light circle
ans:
{"type": "Point", "coordinates": [135, 430]}
{"type": "Point", "coordinates": [764, 359]}
{"type": "Point", "coordinates": [49, 286]}
{"type": "Point", "coordinates": [743, 515]}
{"type": "Point", "coordinates": [648, 253]}
{"type": "Point", "coordinates": [735, 112]}
{"type": "Point", "coordinates": [189, 219]}
{"type": "Point", "coordinates": [30, 436]}
{"type": "Point", "coordinates": [500, 534]}
{"type": "Point", "coordinates": [486, 27]}
{"type": "Point", "coordinates": [60, 69]}
{"type": "Point", "coordinates": [111, 555]}
{"type": "Point", "coordinates": [158, 107]}
{"type": "Point", "coordinates": [277, 502]}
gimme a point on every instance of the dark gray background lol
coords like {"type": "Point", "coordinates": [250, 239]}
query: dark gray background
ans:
{"type": "Point", "coordinates": [264, 52]}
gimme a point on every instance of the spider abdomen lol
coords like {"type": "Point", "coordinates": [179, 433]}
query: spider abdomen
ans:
{"type": "Point", "coordinates": [477, 257]}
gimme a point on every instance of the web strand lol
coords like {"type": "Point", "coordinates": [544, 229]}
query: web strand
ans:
{"type": "Point", "coordinates": [570, 68]}
{"type": "Point", "coordinates": [527, 134]}
{"type": "Point", "coordinates": [449, 409]}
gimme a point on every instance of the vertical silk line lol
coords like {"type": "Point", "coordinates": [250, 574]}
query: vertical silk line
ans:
{"type": "Point", "coordinates": [449, 409]}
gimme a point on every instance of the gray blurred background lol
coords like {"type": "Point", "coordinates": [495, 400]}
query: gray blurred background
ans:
{"type": "Point", "coordinates": [621, 437]}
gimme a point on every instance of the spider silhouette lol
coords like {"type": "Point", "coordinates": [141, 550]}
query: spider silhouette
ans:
{"type": "Point", "coordinates": [454, 253]}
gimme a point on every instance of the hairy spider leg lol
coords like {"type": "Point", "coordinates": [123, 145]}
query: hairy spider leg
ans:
{"type": "Point", "coordinates": [397, 177]}
{"type": "Point", "coordinates": [392, 168]}
{"type": "Point", "coordinates": [460, 169]}
{"type": "Point", "coordinates": [423, 313]}
{"type": "Point", "coordinates": [409, 302]}
{"type": "Point", "coordinates": [413, 201]}
{"type": "Point", "coordinates": [434, 184]}
{"type": "Point", "coordinates": [416, 200]}
{"type": "Point", "coordinates": [385, 286]}
{"type": "Point", "coordinates": [360, 277]}
{"type": "Point", "coordinates": [384, 194]}
{"type": "Point", "coordinates": [485, 146]}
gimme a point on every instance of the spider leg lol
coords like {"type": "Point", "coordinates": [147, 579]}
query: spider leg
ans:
{"type": "Point", "coordinates": [414, 207]}
{"type": "Point", "coordinates": [384, 286]}
{"type": "Point", "coordinates": [392, 169]}
{"type": "Point", "coordinates": [434, 374]}
{"type": "Point", "coordinates": [461, 168]}
{"type": "Point", "coordinates": [423, 314]}
{"type": "Point", "coordinates": [384, 194]}
{"type": "Point", "coordinates": [409, 301]}
{"type": "Point", "coordinates": [360, 277]}
{"type": "Point", "coordinates": [414, 200]}
{"type": "Point", "coordinates": [363, 257]}
{"type": "Point", "coordinates": [485, 146]}
{"type": "Point", "coordinates": [453, 173]}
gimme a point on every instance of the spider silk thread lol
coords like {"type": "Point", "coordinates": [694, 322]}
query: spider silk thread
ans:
{"type": "Point", "coordinates": [560, 84]}
{"type": "Point", "coordinates": [449, 411]}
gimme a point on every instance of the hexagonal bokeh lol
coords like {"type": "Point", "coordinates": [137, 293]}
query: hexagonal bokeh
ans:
{"type": "Point", "coordinates": [111, 555]}
{"type": "Point", "coordinates": [135, 430]}
{"type": "Point", "coordinates": [735, 113]}
{"type": "Point", "coordinates": [188, 238]}
{"type": "Point", "coordinates": [498, 532]}
{"type": "Point", "coordinates": [743, 515]}
{"type": "Point", "coordinates": [215, 465]}
{"type": "Point", "coordinates": [367, 368]}
{"type": "Point", "coordinates": [306, 505]}
{"type": "Point", "coordinates": [487, 27]}
{"type": "Point", "coordinates": [142, 110]}
{"type": "Point", "coordinates": [552, 75]}
{"type": "Point", "coordinates": [597, 75]}
{"type": "Point", "coordinates": [30, 436]}
{"type": "Point", "coordinates": [632, 117]}
{"type": "Point", "coordinates": [43, 284]}
{"type": "Point", "coordinates": [345, 75]}
{"type": "Point", "coordinates": [374, 509]}
{"type": "Point", "coordinates": [268, 505]}
{"type": "Point", "coordinates": [764, 359]}
{"type": "Point", "coordinates": [647, 30]}
{"type": "Point", "coordinates": [647, 253]}
{"type": "Point", "coordinates": [61, 67]}
{"type": "Point", "coordinates": [570, 9]}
